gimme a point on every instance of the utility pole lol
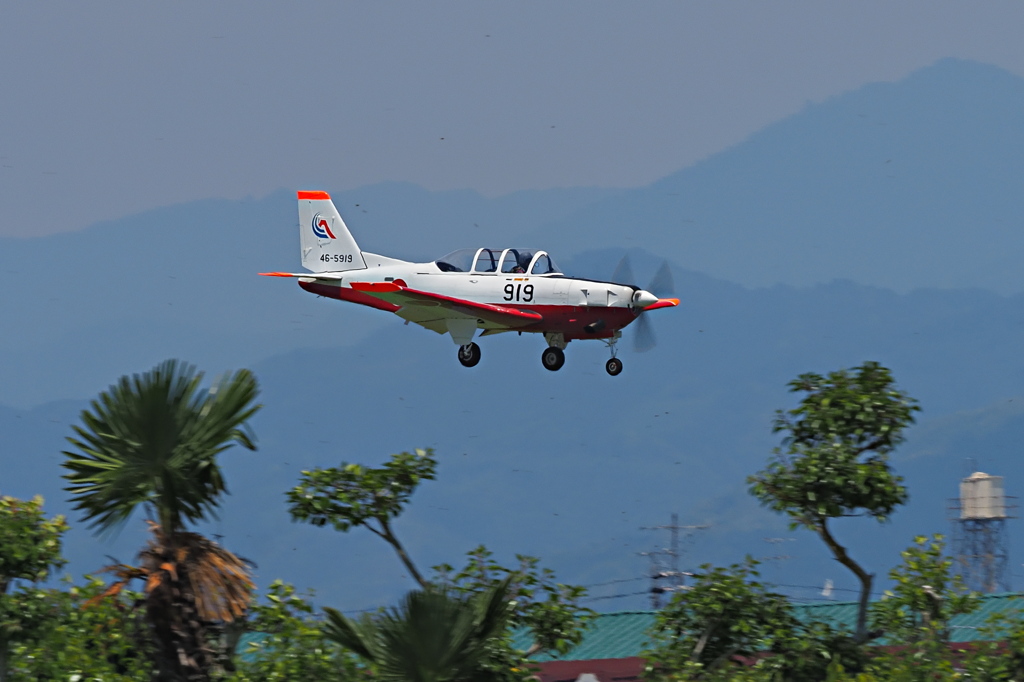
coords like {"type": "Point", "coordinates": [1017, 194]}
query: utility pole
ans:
{"type": "Point", "coordinates": [668, 578]}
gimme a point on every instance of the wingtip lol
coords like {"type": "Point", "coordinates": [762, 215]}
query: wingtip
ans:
{"type": "Point", "coordinates": [276, 274]}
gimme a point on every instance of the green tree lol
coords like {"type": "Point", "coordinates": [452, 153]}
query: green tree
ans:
{"type": "Point", "coordinates": [550, 610]}
{"type": "Point", "coordinates": [728, 625]}
{"type": "Point", "coordinates": [152, 440]}
{"type": "Point", "coordinates": [353, 496]}
{"type": "Point", "coordinates": [434, 635]}
{"type": "Point", "coordinates": [914, 615]}
{"type": "Point", "coordinates": [726, 613]}
{"type": "Point", "coordinates": [290, 644]}
{"type": "Point", "coordinates": [836, 458]}
{"type": "Point", "coordinates": [30, 549]}
{"type": "Point", "coordinates": [999, 655]}
{"type": "Point", "coordinates": [77, 633]}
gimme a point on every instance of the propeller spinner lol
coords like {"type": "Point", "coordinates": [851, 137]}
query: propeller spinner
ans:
{"type": "Point", "coordinates": [661, 287]}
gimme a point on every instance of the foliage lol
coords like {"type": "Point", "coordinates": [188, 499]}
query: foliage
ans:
{"type": "Point", "coordinates": [1000, 654]}
{"type": "Point", "coordinates": [914, 615]}
{"type": "Point", "coordinates": [724, 614]}
{"type": "Point", "coordinates": [352, 495]}
{"type": "Point", "coordinates": [926, 595]}
{"type": "Point", "coordinates": [435, 635]}
{"type": "Point", "coordinates": [30, 548]}
{"type": "Point", "coordinates": [30, 544]}
{"type": "Point", "coordinates": [550, 610]}
{"type": "Point", "coordinates": [291, 644]}
{"type": "Point", "coordinates": [153, 439]}
{"type": "Point", "coordinates": [728, 625]}
{"type": "Point", "coordinates": [836, 459]}
{"type": "Point", "coordinates": [73, 633]}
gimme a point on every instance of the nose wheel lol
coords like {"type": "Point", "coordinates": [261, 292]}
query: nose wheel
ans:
{"type": "Point", "coordinates": [613, 366]}
{"type": "Point", "coordinates": [553, 359]}
{"type": "Point", "coordinates": [469, 354]}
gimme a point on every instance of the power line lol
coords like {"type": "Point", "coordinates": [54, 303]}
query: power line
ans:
{"type": "Point", "coordinates": [613, 582]}
{"type": "Point", "coordinates": [615, 596]}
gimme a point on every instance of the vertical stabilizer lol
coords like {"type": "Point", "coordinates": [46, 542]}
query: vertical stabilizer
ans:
{"type": "Point", "coordinates": [327, 245]}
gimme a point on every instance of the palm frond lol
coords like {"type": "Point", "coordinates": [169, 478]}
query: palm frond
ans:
{"type": "Point", "coordinates": [433, 635]}
{"type": "Point", "coordinates": [152, 439]}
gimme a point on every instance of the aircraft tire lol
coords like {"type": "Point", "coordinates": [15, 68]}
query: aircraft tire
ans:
{"type": "Point", "coordinates": [553, 359]}
{"type": "Point", "coordinates": [613, 367]}
{"type": "Point", "coordinates": [469, 355]}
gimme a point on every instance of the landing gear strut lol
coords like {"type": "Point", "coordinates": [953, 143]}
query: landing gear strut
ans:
{"type": "Point", "coordinates": [469, 354]}
{"type": "Point", "coordinates": [613, 366]}
{"type": "Point", "coordinates": [553, 359]}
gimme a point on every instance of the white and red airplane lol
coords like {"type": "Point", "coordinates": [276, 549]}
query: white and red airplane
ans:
{"type": "Point", "coordinates": [494, 290]}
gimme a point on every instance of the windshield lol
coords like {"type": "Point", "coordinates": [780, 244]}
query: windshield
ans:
{"type": "Point", "coordinates": [456, 261]}
{"type": "Point", "coordinates": [543, 265]}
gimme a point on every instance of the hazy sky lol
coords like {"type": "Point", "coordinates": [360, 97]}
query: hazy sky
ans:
{"type": "Point", "coordinates": [109, 108]}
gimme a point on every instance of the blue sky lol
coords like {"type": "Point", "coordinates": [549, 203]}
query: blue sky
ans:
{"type": "Point", "coordinates": [115, 107]}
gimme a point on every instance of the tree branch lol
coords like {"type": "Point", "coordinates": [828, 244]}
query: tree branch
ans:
{"type": "Point", "coordinates": [390, 538]}
{"type": "Point", "coordinates": [839, 552]}
{"type": "Point", "coordinates": [703, 641]}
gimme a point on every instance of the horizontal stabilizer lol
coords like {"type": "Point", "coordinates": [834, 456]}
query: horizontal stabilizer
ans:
{"type": "Point", "coordinates": [310, 275]}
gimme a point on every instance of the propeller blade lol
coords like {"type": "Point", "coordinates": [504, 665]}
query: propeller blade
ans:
{"type": "Point", "coordinates": [624, 272]}
{"type": "Point", "coordinates": [662, 284]}
{"type": "Point", "coordinates": [643, 335]}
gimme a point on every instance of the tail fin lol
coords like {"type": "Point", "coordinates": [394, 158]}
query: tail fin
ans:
{"type": "Point", "coordinates": [327, 245]}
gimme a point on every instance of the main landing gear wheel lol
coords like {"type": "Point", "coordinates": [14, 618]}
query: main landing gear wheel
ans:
{"type": "Point", "coordinates": [469, 354]}
{"type": "Point", "coordinates": [553, 359]}
{"type": "Point", "coordinates": [613, 366]}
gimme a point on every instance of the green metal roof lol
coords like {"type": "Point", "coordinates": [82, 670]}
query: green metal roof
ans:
{"type": "Point", "coordinates": [611, 635]}
{"type": "Point", "coordinates": [624, 634]}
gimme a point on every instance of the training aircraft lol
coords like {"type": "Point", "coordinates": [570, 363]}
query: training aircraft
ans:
{"type": "Point", "coordinates": [494, 290]}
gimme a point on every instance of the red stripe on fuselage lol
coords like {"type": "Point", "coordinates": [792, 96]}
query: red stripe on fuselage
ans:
{"type": "Point", "coordinates": [347, 294]}
{"type": "Point", "coordinates": [569, 320]}
{"type": "Point", "coordinates": [572, 321]}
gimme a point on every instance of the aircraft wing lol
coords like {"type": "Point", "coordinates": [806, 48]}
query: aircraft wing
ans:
{"type": "Point", "coordinates": [432, 310]}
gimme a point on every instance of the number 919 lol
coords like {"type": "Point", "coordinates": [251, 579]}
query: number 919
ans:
{"type": "Point", "coordinates": [519, 292]}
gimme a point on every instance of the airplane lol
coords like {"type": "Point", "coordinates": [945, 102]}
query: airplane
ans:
{"type": "Point", "coordinates": [493, 290]}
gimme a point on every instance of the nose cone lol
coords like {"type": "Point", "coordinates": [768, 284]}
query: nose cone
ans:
{"type": "Point", "coordinates": [642, 299]}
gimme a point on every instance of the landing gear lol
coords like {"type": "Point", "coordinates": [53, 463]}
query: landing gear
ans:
{"type": "Point", "coordinates": [553, 359]}
{"type": "Point", "coordinates": [469, 354]}
{"type": "Point", "coordinates": [613, 366]}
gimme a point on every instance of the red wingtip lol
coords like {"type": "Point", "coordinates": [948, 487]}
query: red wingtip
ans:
{"type": "Point", "coordinates": [276, 274]}
{"type": "Point", "coordinates": [315, 196]}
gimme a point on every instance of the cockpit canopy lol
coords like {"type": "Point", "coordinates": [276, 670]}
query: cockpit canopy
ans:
{"type": "Point", "coordinates": [510, 261]}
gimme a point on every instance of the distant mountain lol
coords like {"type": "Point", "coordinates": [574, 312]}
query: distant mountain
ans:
{"type": "Point", "coordinates": [802, 254]}
{"type": "Point", "coordinates": [570, 465]}
{"type": "Point", "coordinates": [899, 185]}
{"type": "Point", "coordinates": [905, 185]}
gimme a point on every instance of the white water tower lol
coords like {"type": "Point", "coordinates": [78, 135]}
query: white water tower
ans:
{"type": "Point", "coordinates": [979, 533]}
{"type": "Point", "coordinates": [981, 497]}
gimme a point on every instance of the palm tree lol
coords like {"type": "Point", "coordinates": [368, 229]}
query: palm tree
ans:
{"type": "Point", "coordinates": [433, 636]}
{"type": "Point", "coordinates": [152, 440]}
